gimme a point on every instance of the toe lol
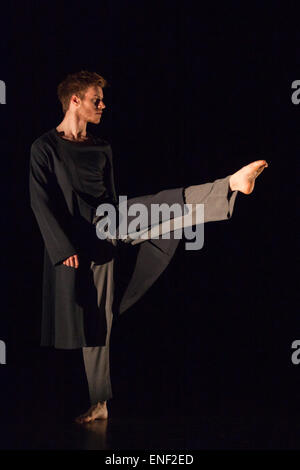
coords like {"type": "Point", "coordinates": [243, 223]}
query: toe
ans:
{"type": "Point", "coordinates": [259, 163]}
{"type": "Point", "coordinates": [88, 417]}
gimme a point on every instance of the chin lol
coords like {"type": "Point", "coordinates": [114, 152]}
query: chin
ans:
{"type": "Point", "coordinates": [94, 119]}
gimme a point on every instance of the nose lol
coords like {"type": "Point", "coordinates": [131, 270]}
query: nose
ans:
{"type": "Point", "coordinates": [101, 105]}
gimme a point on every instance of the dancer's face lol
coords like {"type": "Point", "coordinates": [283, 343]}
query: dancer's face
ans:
{"type": "Point", "coordinates": [91, 106]}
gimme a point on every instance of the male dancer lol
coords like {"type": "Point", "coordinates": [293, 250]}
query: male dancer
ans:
{"type": "Point", "coordinates": [71, 174]}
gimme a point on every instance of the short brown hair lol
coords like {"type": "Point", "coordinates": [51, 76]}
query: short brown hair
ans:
{"type": "Point", "coordinates": [76, 84]}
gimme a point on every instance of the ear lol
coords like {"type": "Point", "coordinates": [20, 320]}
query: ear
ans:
{"type": "Point", "coordinates": [75, 100]}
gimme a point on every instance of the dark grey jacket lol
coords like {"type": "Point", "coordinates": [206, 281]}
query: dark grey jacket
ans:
{"type": "Point", "coordinates": [65, 221]}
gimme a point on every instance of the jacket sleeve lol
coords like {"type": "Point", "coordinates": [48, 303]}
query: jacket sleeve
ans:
{"type": "Point", "coordinates": [49, 207]}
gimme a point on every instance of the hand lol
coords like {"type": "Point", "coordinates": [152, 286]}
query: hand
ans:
{"type": "Point", "coordinates": [72, 261]}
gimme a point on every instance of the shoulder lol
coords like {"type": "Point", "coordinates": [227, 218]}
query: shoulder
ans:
{"type": "Point", "coordinates": [43, 141]}
{"type": "Point", "coordinates": [101, 142]}
{"type": "Point", "coordinates": [39, 150]}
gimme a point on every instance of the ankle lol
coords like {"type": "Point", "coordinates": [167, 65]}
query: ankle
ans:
{"type": "Point", "coordinates": [101, 404]}
{"type": "Point", "coordinates": [232, 183]}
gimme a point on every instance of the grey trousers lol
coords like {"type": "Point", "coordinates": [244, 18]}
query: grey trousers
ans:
{"type": "Point", "coordinates": [96, 359]}
{"type": "Point", "coordinates": [219, 203]}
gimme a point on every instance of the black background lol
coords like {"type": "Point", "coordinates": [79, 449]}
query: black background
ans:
{"type": "Point", "coordinates": [197, 92]}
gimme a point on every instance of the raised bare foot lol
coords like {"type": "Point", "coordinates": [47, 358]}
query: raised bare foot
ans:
{"type": "Point", "coordinates": [244, 179]}
{"type": "Point", "coordinates": [98, 411]}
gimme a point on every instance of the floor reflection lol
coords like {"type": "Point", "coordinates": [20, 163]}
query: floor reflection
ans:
{"type": "Point", "coordinates": [95, 435]}
{"type": "Point", "coordinates": [229, 429]}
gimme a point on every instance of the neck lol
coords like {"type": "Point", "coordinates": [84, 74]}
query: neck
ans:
{"type": "Point", "coordinates": [73, 127]}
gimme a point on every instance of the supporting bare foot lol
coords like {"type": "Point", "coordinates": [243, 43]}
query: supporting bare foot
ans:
{"type": "Point", "coordinates": [244, 179]}
{"type": "Point", "coordinates": [98, 411]}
